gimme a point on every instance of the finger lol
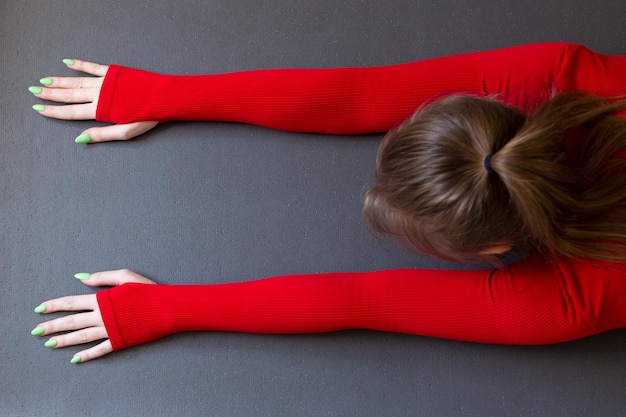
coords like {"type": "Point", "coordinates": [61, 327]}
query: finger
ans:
{"type": "Point", "coordinates": [71, 322]}
{"type": "Point", "coordinates": [114, 278]}
{"type": "Point", "coordinates": [118, 132]}
{"type": "Point", "coordinates": [85, 111]}
{"type": "Point", "coordinates": [88, 67]}
{"type": "Point", "coordinates": [71, 82]}
{"type": "Point", "coordinates": [70, 303]}
{"type": "Point", "coordinates": [79, 337]}
{"type": "Point", "coordinates": [68, 95]}
{"type": "Point", "coordinates": [93, 353]}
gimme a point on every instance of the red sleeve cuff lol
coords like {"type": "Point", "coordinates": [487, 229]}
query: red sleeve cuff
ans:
{"type": "Point", "coordinates": [134, 314]}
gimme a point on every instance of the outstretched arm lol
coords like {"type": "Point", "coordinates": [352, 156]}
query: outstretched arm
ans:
{"type": "Point", "coordinates": [532, 302]}
{"type": "Point", "coordinates": [335, 100]}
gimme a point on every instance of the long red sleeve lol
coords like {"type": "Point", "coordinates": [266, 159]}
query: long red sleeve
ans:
{"type": "Point", "coordinates": [532, 302]}
{"type": "Point", "coordinates": [357, 100]}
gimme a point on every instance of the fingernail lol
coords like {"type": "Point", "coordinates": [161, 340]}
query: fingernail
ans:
{"type": "Point", "coordinates": [75, 359]}
{"type": "Point", "coordinates": [35, 90]}
{"type": "Point", "coordinates": [40, 309]}
{"type": "Point", "coordinates": [50, 343]}
{"type": "Point", "coordinates": [82, 275]}
{"type": "Point", "coordinates": [37, 331]}
{"type": "Point", "coordinates": [84, 138]}
{"type": "Point", "coordinates": [46, 81]}
{"type": "Point", "coordinates": [39, 107]}
{"type": "Point", "coordinates": [68, 61]}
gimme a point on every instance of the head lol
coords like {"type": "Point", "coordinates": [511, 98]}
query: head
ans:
{"type": "Point", "coordinates": [434, 192]}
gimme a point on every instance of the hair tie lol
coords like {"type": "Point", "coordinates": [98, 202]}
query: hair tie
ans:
{"type": "Point", "coordinates": [487, 164]}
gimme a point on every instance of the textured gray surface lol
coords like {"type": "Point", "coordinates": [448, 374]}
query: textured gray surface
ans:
{"type": "Point", "coordinates": [194, 203]}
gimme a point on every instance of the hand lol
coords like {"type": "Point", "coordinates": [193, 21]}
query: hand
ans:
{"type": "Point", "coordinates": [86, 326]}
{"type": "Point", "coordinates": [82, 93]}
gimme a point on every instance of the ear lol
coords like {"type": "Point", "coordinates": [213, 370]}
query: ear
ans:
{"type": "Point", "coordinates": [496, 249]}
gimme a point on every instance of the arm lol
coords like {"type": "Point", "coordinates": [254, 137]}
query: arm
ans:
{"type": "Point", "coordinates": [337, 101]}
{"type": "Point", "coordinates": [531, 302]}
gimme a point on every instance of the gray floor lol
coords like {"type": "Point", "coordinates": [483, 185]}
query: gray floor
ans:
{"type": "Point", "coordinates": [199, 203]}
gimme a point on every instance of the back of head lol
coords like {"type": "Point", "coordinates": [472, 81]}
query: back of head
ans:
{"type": "Point", "coordinates": [437, 192]}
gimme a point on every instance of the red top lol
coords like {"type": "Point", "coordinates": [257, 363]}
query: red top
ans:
{"type": "Point", "coordinates": [534, 301]}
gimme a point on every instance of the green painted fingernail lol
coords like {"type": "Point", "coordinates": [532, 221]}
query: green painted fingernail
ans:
{"type": "Point", "coordinates": [37, 331]}
{"type": "Point", "coordinates": [50, 343]}
{"type": "Point", "coordinates": [82, 275]}
{"type": "Point", "coordinates": [39, 107]}
{"type": "Point", "coordinates": [35, 90]}
{"type": "Point", "coordinates": [84, 138]}
{"type": "Point", "coordinates": [75, 359]}
{"type": "Point", "coordinates": [46, 81]}
{"type": "Point", "coordinates": [40, 309]}
{"type": "Point", "coordinates": [68, 61]}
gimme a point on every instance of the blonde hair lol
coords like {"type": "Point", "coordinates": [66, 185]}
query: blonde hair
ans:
{"type": "Point", "coordinates": [539, 191]}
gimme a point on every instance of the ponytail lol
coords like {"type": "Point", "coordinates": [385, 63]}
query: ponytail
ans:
{"type": "Point", "coordinates": [465, 174]}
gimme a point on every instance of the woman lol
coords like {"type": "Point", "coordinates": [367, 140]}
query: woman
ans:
{"type": "Point", "coordinates": [508, 148]}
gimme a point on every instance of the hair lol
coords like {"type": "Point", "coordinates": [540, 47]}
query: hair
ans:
{"type": "Point", "coordinates": [552, 182]}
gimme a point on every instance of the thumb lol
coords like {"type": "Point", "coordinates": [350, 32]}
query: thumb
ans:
{"type": "Point", "coordinates": [115, 132]}
{"type": "Point", "coordinates": [112, 278]}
